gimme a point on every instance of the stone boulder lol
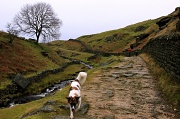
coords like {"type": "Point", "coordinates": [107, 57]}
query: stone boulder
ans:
{"type": "Point", "coordinates": [21, 81]}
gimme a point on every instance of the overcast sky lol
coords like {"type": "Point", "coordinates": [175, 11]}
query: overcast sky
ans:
{"type": "Point", "coordinates": [84, 17]}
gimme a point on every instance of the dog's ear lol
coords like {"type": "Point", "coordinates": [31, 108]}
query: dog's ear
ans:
{"type": "Point", "coordinates": [68, 98]}
{"type": "Point", "coordinates": [77, 98]}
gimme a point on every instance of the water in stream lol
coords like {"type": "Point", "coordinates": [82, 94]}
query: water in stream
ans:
{"type": "Point", "coordinates": [47, 92]}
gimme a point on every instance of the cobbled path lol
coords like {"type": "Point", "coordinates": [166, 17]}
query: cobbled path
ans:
{"type": "Point", "coordinates": [125, 91]}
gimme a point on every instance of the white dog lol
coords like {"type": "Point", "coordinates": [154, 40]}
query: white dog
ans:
{"type": "Point", "coordinates": [74, 98]}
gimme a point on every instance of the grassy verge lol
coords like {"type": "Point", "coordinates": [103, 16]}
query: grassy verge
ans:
{"type": "Point", "coordinates": [19, 110]}
{"type": "Point", "coordinates": [169, 88]}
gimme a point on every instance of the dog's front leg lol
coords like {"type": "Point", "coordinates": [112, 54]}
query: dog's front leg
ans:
{"type": "Point", "coordinates": [71, 113]}
{"type": "Point", "coordinates": [79, 104]}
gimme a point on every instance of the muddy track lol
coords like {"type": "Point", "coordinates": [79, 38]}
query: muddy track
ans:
{"type": "Point", "coordinates": [126, 91]}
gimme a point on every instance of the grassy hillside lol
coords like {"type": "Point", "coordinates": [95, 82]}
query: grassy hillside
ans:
{"type": "Point", "coordinates": [117, 40]}
{"type": "Point", "coordinates": [69, 49]}
{"type": "Point", "coordinates": [23, 57]}
{"type": "Point", "coordinates": [68, 45]}
{"type": "Point", "coordinates": [114, 41]}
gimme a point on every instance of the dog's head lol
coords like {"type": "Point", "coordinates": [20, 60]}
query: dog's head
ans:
{"type": "Point", "coordinates": [73, 101]}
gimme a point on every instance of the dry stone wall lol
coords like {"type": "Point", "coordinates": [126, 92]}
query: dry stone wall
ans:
{"type": "Point", "coordinates": [166, 51]}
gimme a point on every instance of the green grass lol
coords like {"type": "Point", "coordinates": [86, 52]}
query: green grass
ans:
{"type": "Point", "coordinates": [5, 83]}
{"type": "Point", "coordinates": [125, 36]}
{"type": "Point", "coordinates": [54, 78]}
{"type": "Point", "coordinates": [72, 54]}
{"type": "Point", "coordinates": [19, 110]}
{"type": "Point", "coordinates": [106, 61]}
{"type": "Point", "coordinates": [68, 45]}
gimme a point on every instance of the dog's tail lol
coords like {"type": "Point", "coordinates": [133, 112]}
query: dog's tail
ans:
{"type": "Point", "coordinates": [82, 77]}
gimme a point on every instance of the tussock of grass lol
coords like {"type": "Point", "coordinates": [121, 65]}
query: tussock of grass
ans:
{"type": "Point", "coordinates": [169, 88]}
{"type": "Point", "coordinates": [5, 83]}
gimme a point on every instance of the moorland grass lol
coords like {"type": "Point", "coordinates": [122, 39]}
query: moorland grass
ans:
{"type": "Point", "coordinates": [125, 36]}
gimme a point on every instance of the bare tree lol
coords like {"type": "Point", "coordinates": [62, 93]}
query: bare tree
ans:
{"type": "Point", "coordinates": [38, 20]}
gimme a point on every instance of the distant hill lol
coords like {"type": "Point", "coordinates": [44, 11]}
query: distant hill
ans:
{"type": "Point", "coordinates": [114, 40]}
{"type": "Point", "coordinates": [119, 40]}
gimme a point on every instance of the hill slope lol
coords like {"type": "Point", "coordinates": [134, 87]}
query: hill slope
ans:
{"type": "Point", "coordinates": [23, 57]}
{"type": "Point", "coordinates": [119, 40]}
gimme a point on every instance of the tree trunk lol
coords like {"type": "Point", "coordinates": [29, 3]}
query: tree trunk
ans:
{"type": "Point", "coordinates": [37, 36]}
{"type": "Point", "coordinates": [37, 40]}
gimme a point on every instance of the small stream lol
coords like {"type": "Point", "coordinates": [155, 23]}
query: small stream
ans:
{"type": "Point", "coordinates": [48, 91]}
{"type": "Point", "coordinates": [87, 65]}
